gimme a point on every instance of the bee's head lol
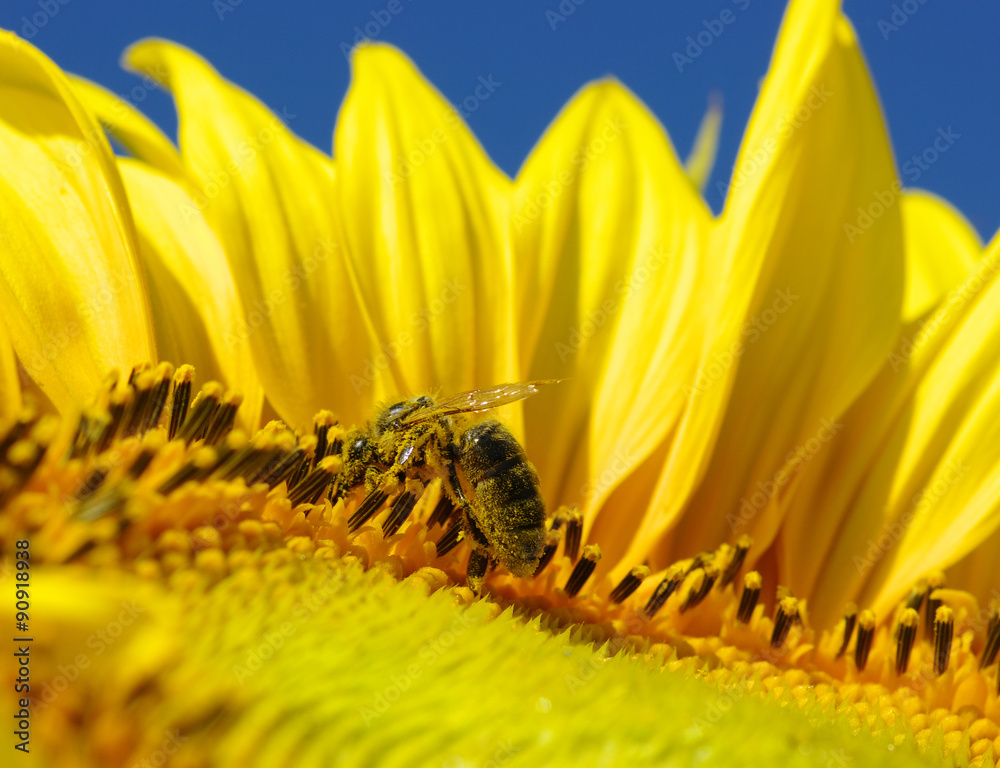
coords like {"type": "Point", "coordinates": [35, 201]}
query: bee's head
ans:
{"type": "Point", "coordinates": [391, 416]}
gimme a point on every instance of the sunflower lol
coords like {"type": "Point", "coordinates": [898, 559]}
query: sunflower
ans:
{"type": "Point", "coordinates": [774, 506]}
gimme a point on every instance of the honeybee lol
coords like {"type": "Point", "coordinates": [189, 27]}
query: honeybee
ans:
{"type": "Point", "coordinates": [490, 484]}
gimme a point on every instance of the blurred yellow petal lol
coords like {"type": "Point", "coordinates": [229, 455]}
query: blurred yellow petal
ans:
{"type": "Point", "coordinates": [74, 302]}
{"type": "Point", "coordinates": [813, 233]}
{"type": "Point", "coordinates": [196, 312]}
{"type": "Point", "coordinates": [609, 233]}
{"type": "Point", "coordinates": [10, 383]}
{"type": "Point", "coordinates": [136, 132]}
{"type": "Point", "coordinates": [701, 161]}
{"type": "Point", "coordinates": [270, 198]}
{"type": "Point", "coordinates": [942, 249]}
{"type": "Point", "coordinates": [425, 216]}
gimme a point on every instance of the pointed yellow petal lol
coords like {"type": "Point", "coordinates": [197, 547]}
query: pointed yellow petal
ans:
{"type": "Point", "coordinates": [270, 198]}
{"type": "Point", "coordinates": [814, 287]}
{"type": "Point", "coordinates": [941, 251]}
{"type": "Point", "coordinates": [844, 486]}
{"type": "Point", "coordinates": [137, 133]}
{"type": "Point", "coordinates": [196, 312]}
{"type": "Point", "coordinates": [701, 161]}
{"type": "Point", "coordinates": [73, 300]}
{"type": "Point", "coordinates": [609, 234]}
{"type": "Point", "coordinates": [425, 216]}
{"type": "Point", "coordinates": [894, 461]}
{"type": "Point", "coordinates": [945, 489]}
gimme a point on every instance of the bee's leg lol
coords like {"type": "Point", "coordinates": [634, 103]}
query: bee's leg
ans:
{"type": "Point", "coordinates": [373, 478]}
{"type": "Point", "coordinates": [456, 487]}
{"type": "Point", "coordinates": [476, 573]}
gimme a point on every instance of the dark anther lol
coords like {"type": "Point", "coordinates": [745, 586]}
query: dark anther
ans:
{"type": "Point", "coordinates": [787, 614]}
{"type": "Point", "coordinates": [739, 556]}
{"type": "Point", "coordinates": [707, 576]}
{"type": "Point", "coordinates": [934, 581]}
{"type": "Point", "coordinates": [915, 600]}
{"type": "Point", "coordinates": [866, 633]}
{"type": "Point", "coordinates": [583, 569]}
{"type": "Point", "coordinates": [181, 400]}
{"type": "Point", "coordinates": [120, 400]}
{"type": "Point", "coordinates": [667, 586]}
{"type": "Point", "coordinates": [158, 401]}
{"type": "Point", "coordinates": [142, 388]}
{"type": "Point", "coordinates": [322, 422]}
{"type": "Point", "coordinates": [198, 467]}
{"type": "Point", "coordinates": [992, 639]}
{"type": "Point", "coordinates": [752, 584]}
{"type": "Point", "coordinates": [141, 463]}
{"type": "Point", "coordinates": [401, 509]}
{"type": "Point", "coordinates": [202, 412]}
{"type": "Point", "coordinates": [222, 419]}
{"type": "Point", "coordinates": [314, 486]}
{"type": "Point", "coordinates": [442, 513]}
{"type": "Point", "coordinates": [850, 619]}
{"type": "Point", "coordinates": [92, 483]}
{"type": "Point", "coordinates": [552, 538]}
{"type": "Point", "coordinates": [449, 540]}
{"type": "Point", "coordinates": [907, 635]}
{"type": "Point", "coordinates": [573, 536]}
{"type": "Point", "coordinates": [944, 627]}
{"type": "Point", "coordinates": [284, 468]}
{"type": "Point", "coordinates": [372, 503]}
{"type": "Point", "coordinates": [629, 584]}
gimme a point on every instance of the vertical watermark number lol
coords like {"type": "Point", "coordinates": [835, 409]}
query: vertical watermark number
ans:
{"type": "Point", "coordinates": [22, 644]}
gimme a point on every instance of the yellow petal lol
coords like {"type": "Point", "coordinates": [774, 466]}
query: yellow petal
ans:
{"type": "Point", "coordinates": [10, 384]}
{"type": "Point", "coordinates": [701, 161]}
{"type": "Point", "coordinates": [945, 488]}
{"type": "Point", "coordinates": [609, 235]}
{"type": "Point", "coordinates": [941, 251]}
{"type": "Point", "coordinates": [816, 288]}
{"type": "Point", "coordinates": [196, 311]}
{"type": "Point", "coordinates": [270, 198]}
{"type": "Point", "coordinates": [73, 300]}
{"type": "Point", "coordinates": [863, 492]}
{"type": "Point", "coordinates": [136, 132]}
{"type": "Point", "coordinates": [425, 217]}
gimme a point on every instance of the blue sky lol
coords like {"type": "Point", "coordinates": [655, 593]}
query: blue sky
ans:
{"type": "Point", "coordinates": [935, 63]}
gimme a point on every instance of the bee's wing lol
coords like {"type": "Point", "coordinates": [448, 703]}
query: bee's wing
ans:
{"type": "Point", "coordinates": [479, 400]}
